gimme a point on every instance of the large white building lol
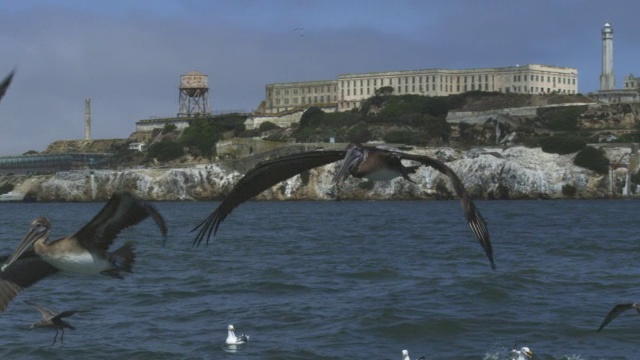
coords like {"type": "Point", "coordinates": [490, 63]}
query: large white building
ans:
{"type": "Point", "coordinates": [350, 90]}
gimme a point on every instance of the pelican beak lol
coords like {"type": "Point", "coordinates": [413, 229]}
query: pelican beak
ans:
{"type": "Point", "coordinates": [351, 159]}
{"type": "Point", "coordinates": [35, 233]}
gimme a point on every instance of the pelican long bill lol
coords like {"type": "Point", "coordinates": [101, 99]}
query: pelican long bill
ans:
{"type": "Point", "coordinates": [35, 232]}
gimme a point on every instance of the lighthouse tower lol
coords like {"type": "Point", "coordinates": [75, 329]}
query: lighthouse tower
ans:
{"type": "Point", "coordinates": [607, 78]}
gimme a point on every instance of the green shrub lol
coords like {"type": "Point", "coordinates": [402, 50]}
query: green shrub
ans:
{"type": "Point", "coordinates": [561, 145]}
{"type": "Point", "coordinates": [168, 128]}
{"type": "Point", "coordinates": [406, 137]}
{"type": "Point", "coordinates": [563, 118]}
{"type": "Point", "coordinates": [268, 125]}
{"type": "Point", "coordinates": [166, 150]}
{"type": "Point", "coordinates": [311, 117]}
{"type": "Point", "coordinates": [569, 190]}
{"type": "Point", "coordinates": [5, 188]}
{"type": "Point", "coordinates": [359, 133]}
{"type": "Point", "coordinates": [201, 136]}
{"type": "Point", "coordinates": [592, 159]}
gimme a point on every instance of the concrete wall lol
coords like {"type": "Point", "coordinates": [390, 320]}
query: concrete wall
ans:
{"type": "Point", "coordinates": [480, 117]}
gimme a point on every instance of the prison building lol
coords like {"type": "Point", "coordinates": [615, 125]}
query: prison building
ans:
{"type": "Point", "coordinates": [350, 90]}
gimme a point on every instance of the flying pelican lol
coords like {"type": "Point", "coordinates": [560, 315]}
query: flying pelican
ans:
{"type": "Point", "coordinates": [523, 354]}
{"type": "Point", "coordinates": [617, 310]}
{"type": "Point", "coordinates": [84, 252]}
{"type": "Point", "coordinates": [232, 339]}
{"type": "Point", "coordinates": [359, 161]}
{"type": "Point", "coordinates": [53, 320]}
{"type": "Point", "coordinates": [5, 84]}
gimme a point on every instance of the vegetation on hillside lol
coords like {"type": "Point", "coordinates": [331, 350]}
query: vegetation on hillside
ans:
{"type": "Point", "coordinates": [198, 139]}
{"type": "Point", "coordinates": [592, 159]}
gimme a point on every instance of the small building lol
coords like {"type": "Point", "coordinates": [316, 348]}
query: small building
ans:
{"type": "Point", "coordinates": [139, 146]}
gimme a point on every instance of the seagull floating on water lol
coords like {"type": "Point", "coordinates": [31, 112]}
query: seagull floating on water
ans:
{"type": "Point", "coordinates": [370, 162]}
{"type": "Point", "coordinates": [232, 339]}
{"type": "Point", "coordinates": [405, 356]}
{"type": "Point", "coordinates": [617, 310]}
{"type": "Point", "coordinates": [523, 354]}
{"type": "Point", "coordinates": [53, 320]}
{"type": "Point", "coordinates": [85, 252]}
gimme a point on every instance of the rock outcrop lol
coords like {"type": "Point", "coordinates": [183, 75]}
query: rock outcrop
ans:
{"type": "Point", "coordinates": [514, 173]}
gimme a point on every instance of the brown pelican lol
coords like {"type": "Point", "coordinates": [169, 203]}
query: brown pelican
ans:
{"type": "Point", "coordinates": [359, 161]}
{"type": "Point", "coordinates": [84, 252]}
{"type": "Point", "coordinates": [5, 84]}
{"type": "Point", "coordinates": [53, 320]}
{"type": "Point", "coordinates": [232, 339]}
{"type": "Point", "coordinates": [617, 310]}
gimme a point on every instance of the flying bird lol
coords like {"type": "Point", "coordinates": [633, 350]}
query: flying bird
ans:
{"type": "Point", "coordinates": [53, 320]}
{"type": "Point", "coordinates": [232, 339]}
{"type": "Point", "coordinates": [361, 162]}
{"type": "Point", "coordinates": [84, 252]}
{"type": "Point", "coordinates": [617, 310]}
{"type": "Point", "coordinates": [523, 354]}
{"type": "Point", "coordinates": [5, 84]}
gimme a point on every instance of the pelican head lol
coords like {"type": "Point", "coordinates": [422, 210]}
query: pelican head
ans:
{"type": "Point", "coordinates": [39, 230]}
{"type": "Point", "coordinates": [352, 159]}
{"type": "Point", "coordinates": [527, 351]}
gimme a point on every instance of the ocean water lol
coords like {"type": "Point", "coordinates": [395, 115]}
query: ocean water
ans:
{"type": "Point", "coordinates": [337, 280]}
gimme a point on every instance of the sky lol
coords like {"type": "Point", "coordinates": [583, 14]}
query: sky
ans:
{"type": "Point", "coordinates": [128, 55]}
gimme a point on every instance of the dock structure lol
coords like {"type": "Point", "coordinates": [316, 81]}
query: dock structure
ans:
{"type": "Point", "coordinates": [50, 163]}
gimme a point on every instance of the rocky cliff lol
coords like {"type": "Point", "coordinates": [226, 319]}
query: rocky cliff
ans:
{"type": "Point", "coordinates": [514, 173]}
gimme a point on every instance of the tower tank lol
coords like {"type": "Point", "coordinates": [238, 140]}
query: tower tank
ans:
{"type": "Point", "coordinates": [194, 94]}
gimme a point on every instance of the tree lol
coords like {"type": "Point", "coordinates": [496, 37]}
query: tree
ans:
{"type": "Point", "coordinates": [384, 91]}
{"type": "Point", "coordinates": [201, 136]}
{"type": "Point", "coordinates": [168, 128]}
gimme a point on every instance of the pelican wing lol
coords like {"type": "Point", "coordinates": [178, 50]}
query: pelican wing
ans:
{"type": "Point", "coordinates": [23, 273]}
{"type": "Point", "coordinates": [121, 211]}
{"type": "Point", "coordinates": [263, 176]}
{"type": "Point", "coordinates": [65, 314]}
{"type": "Point", "coordinates": [471, 212]}
{"type": "Point", "coordinates": [5, 84]}
{"type": "Point", "coordinates": [46, 313]}
{"type": "Point", "coordinates": [617, 310]}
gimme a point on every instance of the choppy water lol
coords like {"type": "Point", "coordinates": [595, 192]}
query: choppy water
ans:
{"type": "Point", "coordinates": [332, 280]}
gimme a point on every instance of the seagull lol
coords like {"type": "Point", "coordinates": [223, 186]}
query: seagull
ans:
{"type": "Point", "coordinates": [405, 356]}
{"type": "Point", "coordinates": [617, 310]}
{"type": "Point", "coordinates": [232, 339]}
{"type": "Point", "coordinates": [374, 163]}
{"type": "Point", "coordinates": [4, 85]}
{"type": "Point", "coordinates": [53, 320]}
{"type": "Point", "coordinates": [85, 252]}
{"type": "Point", "coordinates": [523, 354]}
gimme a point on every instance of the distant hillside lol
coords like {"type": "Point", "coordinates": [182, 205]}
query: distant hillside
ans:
{"type": "Point", "coordinates": [408, 119]}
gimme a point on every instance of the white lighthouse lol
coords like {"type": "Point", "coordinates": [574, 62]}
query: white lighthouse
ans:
{"type": "Point", "coordinates": [607, 78]}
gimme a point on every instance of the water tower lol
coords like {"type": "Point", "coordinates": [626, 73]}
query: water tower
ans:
{"type": "Point", "coordinates": [194, 94]}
